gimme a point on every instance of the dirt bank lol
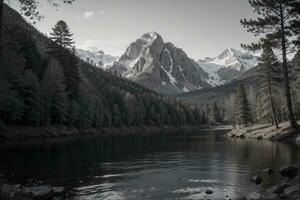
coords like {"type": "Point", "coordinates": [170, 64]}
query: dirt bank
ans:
{"type": "Point", "coordinates": [268, 132]}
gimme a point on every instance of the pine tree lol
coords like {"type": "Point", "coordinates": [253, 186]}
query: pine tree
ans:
{"type": "Point", "coordinates": [243, 114]}
{"type": "Point", "coordinates": [259, 110]}
{"type": "Point", "coordinates": [297, 83]}
{"type": "Point", "coordinates": [61, 35]}
{"type": "Point", "coordinates": [116, 116]}
{"type": "Point", "coordinates": [31, 95]}
{"type": "Point", "coordinates": [54, 94]}
{"type": "Point", "coordinates": [62, 49]}
{"type": "Point", "coordinates": [87, 104]}
{"type": "Point", "coordinates": [297, 70]}
{"type": "Point", "coordinates": [215, 114]}
{"type": "Point", "coordinates": [274, 24]}
{"type": "Point", "coordinates": [99, 112]}
{"type": "Point", "coordinates": [269, 81]}
{"type": "Point", "coordinates": [29, 8]}
{"type": "Point", "coordinates": [72, 75]}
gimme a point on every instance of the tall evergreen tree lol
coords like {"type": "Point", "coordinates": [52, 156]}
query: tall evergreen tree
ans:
{"type": "Point", "coordinates": [30, 9]}
{"type": "Point", "coordinates": [62, 49]}
{"type": "Point", "coordinates": [275, 25]}
{"type": "Point", "coordinates": [269, 81]}
{"type": "Point", "coordinates": [116, 116]}
{"type": "Point", "coordinates": [243, 114]}
{"type": "Point", "coordinates": [61, 37]}
{"type": "Point", "coordinates": [54, 94]}
{"type": "Point", "coordinates": [31, 95]}
{"type": "Point", "coordinates": [297, 70]}
{"type": "Point", "coordinates": [297, 82]}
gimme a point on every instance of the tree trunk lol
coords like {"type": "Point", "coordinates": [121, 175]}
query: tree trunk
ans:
{"type": "Point", "coordinates": [286, 73]}
{"type": "Point", "coordinates": [272, 101]}
{"type": "Point", "coordinates": [1, 24]}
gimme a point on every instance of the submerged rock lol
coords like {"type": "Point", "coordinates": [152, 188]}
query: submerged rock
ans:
{"type": "Point", "coordinates": [278, 189]}
{"type": "Point", "coordinates": [45, 191]}
{"type": "Point", "coordinates": [289, 172]}
{"type": "Point", "coordinates": [254, 196]}
{"type": "Point", "coordinates": [256, 180]}
{"type": "Point", "coordinates": [208, 191]}
{"type": "Point", "coordinates": [293, 190]}
{"type": "Point", "coordinates": [268, 171]}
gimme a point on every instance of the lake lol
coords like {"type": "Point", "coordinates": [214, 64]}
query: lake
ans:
{"type": "Point", "coordinates": [180, 165]}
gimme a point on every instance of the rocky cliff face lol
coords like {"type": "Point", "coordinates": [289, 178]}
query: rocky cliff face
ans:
{"type": "Point", "coordinates": [160, 66]}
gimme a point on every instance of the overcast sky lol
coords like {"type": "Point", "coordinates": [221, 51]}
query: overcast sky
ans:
{"type": "Point", "coordinates": [200, 27]}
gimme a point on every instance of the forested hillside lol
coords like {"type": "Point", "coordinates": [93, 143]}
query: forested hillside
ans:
{"type": "Point", "coordinates": [44, 83]}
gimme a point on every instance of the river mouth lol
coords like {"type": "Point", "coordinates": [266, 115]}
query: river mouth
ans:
{"type": "Point", "coordinates": [183, 165]}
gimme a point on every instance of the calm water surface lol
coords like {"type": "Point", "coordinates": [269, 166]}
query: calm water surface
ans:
{"type": "Point", "coordinates": [178, 166]}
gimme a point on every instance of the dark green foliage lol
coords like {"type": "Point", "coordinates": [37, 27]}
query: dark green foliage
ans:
{"type": "Point", "coordinates": [31, 94]}
{"type": "Point", "coordinates": [297, 84]}
{"type": "Point", "coordinates": [269, 83]}
{"type": "Point", "coordinates": [61, 36]}
{"type": "Point", "coordinates": [276, 26]}
{"type": "Point", "coordinates": [61, 48]}
{"type": "Point", "coordinates": [54, 95]}
{"type": "Point", "coordinates": [243, 113]}
{"type": "Point", "coordinates": [216, 114]}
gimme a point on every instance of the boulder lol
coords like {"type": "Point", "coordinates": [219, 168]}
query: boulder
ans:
{"type": "Point", "coordinates": [278, 189]}
{"type": "Point", "coordinates": [295, 189]}
{"type": "Point", "coordinates": [208, 191]}
{"type": "Point", "coordinates": [289, 172]}
{"type": "Point", "coordinates": [256, 180]}
{"type": "Point", "coordinates": [268, 171]}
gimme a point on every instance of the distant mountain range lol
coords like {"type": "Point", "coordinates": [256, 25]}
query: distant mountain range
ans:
{"type": "Point", "coordinates": [167, 69]}
{"type": "Point", "coordinates": [99, 58]}
{"type": "Point", "coordinates": [229, 65]}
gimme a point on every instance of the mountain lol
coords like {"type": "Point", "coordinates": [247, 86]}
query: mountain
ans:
{"type": "Point", "coordinates": [99, 58]}
{"type": "Point", "coordinates": [160, 66]}
{"type": "Point", "coordinates": [229, 65]}
{"type": "Point", "coordinates": [36, 86]}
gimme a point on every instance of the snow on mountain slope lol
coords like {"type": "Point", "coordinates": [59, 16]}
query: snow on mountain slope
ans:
{"type": "Point", "coordinates": [98, 58]}
{"type": "Point", "coordinates": [160, 66]}
{"type": "Point", "coordinates": [229, 65]}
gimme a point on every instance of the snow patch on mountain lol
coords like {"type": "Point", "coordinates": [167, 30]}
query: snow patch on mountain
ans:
{"type": "Point", "coordinates": [98, 58]}
{"type": "Point", "coordinates": [169, 73]}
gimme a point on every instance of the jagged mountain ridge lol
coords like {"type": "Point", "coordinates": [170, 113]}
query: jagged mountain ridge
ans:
{"type": "Point", "coordinates": [229, 65]}
{"type": "Point", "coordinates": [99, 58]}
{"type": "Point", "coordinates": [160, 66]}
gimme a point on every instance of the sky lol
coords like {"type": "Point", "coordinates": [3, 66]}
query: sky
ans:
{"type": "Point", "coordinates": [202, 28]}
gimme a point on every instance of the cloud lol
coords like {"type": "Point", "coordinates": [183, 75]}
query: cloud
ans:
{"type": "Point", "coordinates": [88, 14]}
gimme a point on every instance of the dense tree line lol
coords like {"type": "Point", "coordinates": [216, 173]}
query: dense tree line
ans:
{"type": "Point", "coordinates": [278, 26]}
{"type": "Point", "coordinates": [61, 89]}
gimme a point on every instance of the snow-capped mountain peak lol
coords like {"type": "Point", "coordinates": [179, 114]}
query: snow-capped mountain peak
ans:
{"type": "Point", "coordinates": [160, 66]}
{"type": "Point", "coordinates": [229, 65]}
{"type": "Point", "coordinates": [236, 59]}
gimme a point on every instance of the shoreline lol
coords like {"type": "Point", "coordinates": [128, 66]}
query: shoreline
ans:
{"type": "Point", "coordinates": [62, 132]}
{"type": "Point", "coordinates": [268, 132]}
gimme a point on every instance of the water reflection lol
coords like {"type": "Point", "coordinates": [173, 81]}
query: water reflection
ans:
{"type": "Point", "coordinates": [167, 166]}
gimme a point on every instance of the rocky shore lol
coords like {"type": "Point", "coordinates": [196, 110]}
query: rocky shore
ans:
{"type": "Point", "coordinates": [268, 132]}
{"type": "Point", "coordinates": [32, 190]}
{"type": "Point", "coordinates": [288, 188]}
